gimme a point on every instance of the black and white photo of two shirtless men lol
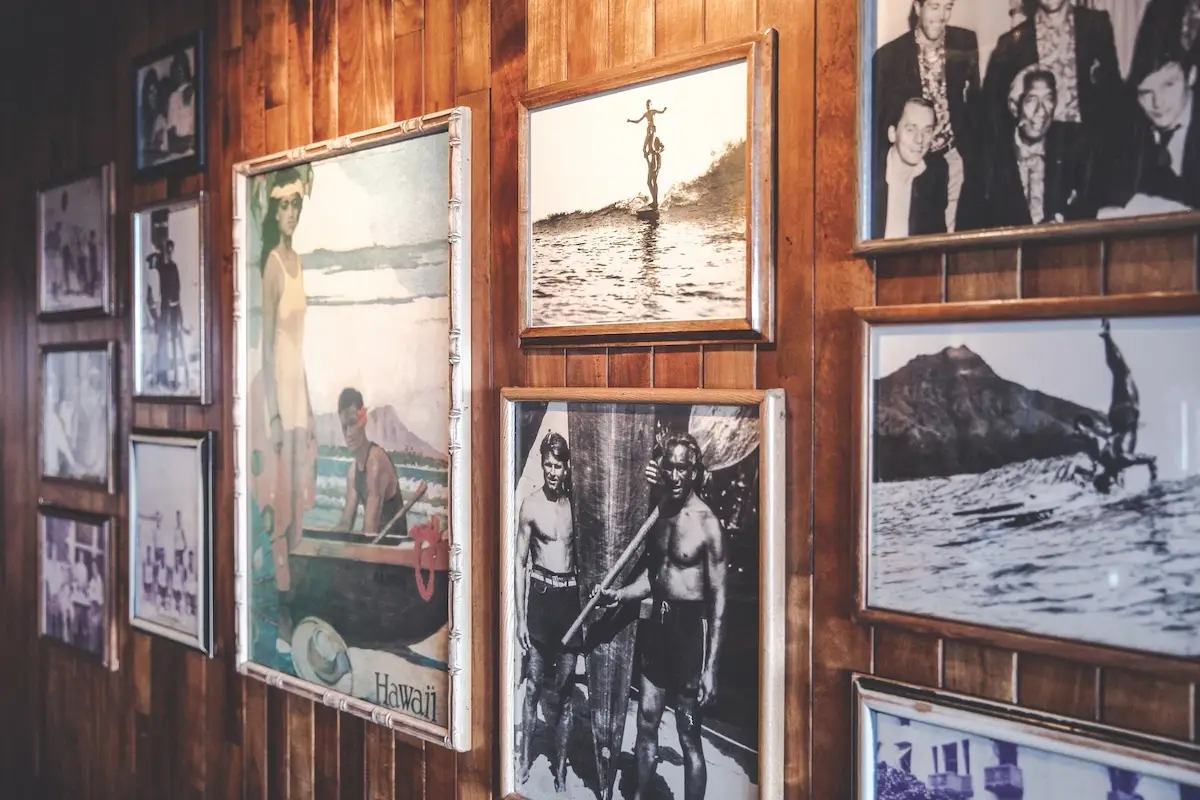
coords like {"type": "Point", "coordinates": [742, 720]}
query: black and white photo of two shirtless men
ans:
{"type": "Point", "coordinates": [682, 692]}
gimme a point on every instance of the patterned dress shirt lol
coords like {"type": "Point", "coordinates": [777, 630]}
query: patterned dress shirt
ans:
{"type": "Point", "coordinates": [1031, 163]}
{"type": "Point", "coordinates": [1056, 51]}
{"type": "Point", "coordinates": [931, 56]}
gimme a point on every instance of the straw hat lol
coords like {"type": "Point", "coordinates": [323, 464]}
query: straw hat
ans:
{"type": "Point", "coordinates": [320, 655]}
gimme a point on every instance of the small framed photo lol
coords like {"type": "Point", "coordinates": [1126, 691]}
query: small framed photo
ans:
{"type": "Point", "coordinates": [642, 593]}
{"type": "Point", "coordinates": [169, 86]}
{"type": "Point", "coordinates": [78, 421]}
{"type": "Point", "coordinates": [170, 537]}
{"type": "Point", "coordinates": [917, 742]}
{"type": "Point", "coordinates": [170, 301]}
{"type": "Point", "coordinates": [74, 220]}
{"type": "Point", "coordinates": [993, 122]}
{"type": "Point", "coordinates": [75, 572]}
{"type": "Point", "coordinates": [1029, 470]}
{"type": "Point", "coordinates": [646, 205]}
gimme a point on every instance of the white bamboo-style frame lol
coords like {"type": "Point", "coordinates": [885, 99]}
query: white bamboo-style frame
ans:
{"type": "Point", "coordinates": [139, 218]}
{"type": "Point", "coordinates": [457, 123]}
{"type": "Point", "coordinates": [771, 558]}
{"type": "Point", "coordinates": [201, 446]}
{"type": "Point", "coordinates": [1086, 741]}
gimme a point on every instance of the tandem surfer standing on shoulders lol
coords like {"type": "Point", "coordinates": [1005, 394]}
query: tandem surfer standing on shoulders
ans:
{"type": "Point", "coordinates": [547, 604]}
{"type": "Point", "coordinates": [683, 572]}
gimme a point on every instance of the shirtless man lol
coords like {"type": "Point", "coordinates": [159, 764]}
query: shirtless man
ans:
{"type": "Point", "coordinates": [547, 604]}
{"type": "Point", "coordinates": [653, 165]}
{"type": "Point", "coordinates": [649, 114]}
{"type": "Point", "coordinates": [683, 572]}
{"type": "Point", "coordinates": [371, 480]}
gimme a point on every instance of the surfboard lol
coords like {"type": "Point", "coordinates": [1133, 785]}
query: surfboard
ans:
{"type": "Point", "coordinates": [648, 214]}
{"type": "Point", "coordinates": [609, 450]}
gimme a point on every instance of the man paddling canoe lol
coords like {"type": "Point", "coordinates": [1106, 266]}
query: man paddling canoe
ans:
{"type": "Point", "coordinates": [683, 572]}
{"type": "Point", "coordinates": [547, 603]}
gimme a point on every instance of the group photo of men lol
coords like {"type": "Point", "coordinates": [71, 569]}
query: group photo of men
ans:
{"type": "Point", "coordinates": [688, 605]}
{"type": "Point", "coordinates": [1007, 113]}
{"type": "Point", "coordinates": [74, 587]}
{"type": "Point", "coordinates": [168, 572]}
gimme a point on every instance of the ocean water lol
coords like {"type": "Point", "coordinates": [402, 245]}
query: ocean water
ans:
{"type": "Point", "coordinates": [615, 268]}
{"type": "Point", "coordinates": [1120, 570]}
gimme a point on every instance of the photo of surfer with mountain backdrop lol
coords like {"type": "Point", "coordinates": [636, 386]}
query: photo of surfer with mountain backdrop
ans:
{"type": "Point", "coordinates": [635, 579]}
{"type": "Point", "coordinates": [1041, 476]}
{"type": "Point", "coordinates": [348, 424]}
{"type": "Point", "coordinates": [637, 203]}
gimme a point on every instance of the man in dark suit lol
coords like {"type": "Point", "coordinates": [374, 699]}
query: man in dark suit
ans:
{"type": "Point", "coordinates": [1030, 175]}
{"type": "Point", "coordinates": [1158, 169]}
{"type": "Point", "coordinates": [939, 62]}
{"type": "Point", "coordinates": [1078, 46]}
{"type": "Point", "coordinates": [909, 197]}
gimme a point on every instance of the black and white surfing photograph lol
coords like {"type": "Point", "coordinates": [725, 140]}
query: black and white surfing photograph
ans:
{"type": "Point", "coordinates": [637, 202]}
{"type": "Point", "coordinates": [76, 607]}
{"type": "Point", "coordinates": [1014, 113]}
{"type": "Point", "coordinates": [73, 227]}
{"type": "Point", "coordinates": [78, 413]}
{"type": "Point", "coordinates": [170, 540]}
{"type": "Point", "coordinates": [1040, 476]}
{"type": "Point", "coordinates": [635, 576]}
{"type": "Point", "coordinates": [170, 109]}
{"type": "Point", "coordinates": [169, 283]}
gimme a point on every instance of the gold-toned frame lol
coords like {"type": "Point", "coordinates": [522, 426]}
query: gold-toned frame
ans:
{"type": "Point", "coordinates": [758, 323]}
{"type": "Point", "coordinates": [872, 317]}
{"type": "Point", "coordinates": [771, 557]}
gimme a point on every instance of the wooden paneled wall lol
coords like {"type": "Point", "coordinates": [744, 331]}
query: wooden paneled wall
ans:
{"type": "Point", "coordinates": [171, 724]}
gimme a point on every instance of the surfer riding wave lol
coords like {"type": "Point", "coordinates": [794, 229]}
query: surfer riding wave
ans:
{"type": "Point", "coordinates": [1112, 449]}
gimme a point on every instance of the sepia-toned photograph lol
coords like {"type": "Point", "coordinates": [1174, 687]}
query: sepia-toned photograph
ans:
{"type": "Point", "coordinates": [354, 431]}
{"type": "Point", "coordinates": [75, 570]}
{"type": "Point", "coordinates": [921, 744]}
{"type": "Point", "coordinates": [638, 545]}
{"type": "Point", "coordinates": [78, 413]}
{"type": "Point", "coordinates": [170, 282]}
{"type": "Point", "coordinates": [1056, 495]}
{"type": "Point", "coordinates": [170, 514]}
{"type": "Point", "coordinates": [646, 200]}
{"type": "Point", "coordinates": [1021, 113]}
{"type": "Point", "coordinates": [170, 108]}
{"type": "Point", "coordinates": [74, 225]}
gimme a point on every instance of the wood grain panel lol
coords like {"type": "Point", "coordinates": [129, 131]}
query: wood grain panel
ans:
{"type": "Point", "coordinates": [1126, 696]}
{"type": "Point", "coordinates": [325, 69]}
{"type": "Point", "coordinates": [678, 25]}
{"type": "Point", "coordinates": [380, 764]}
{"type": "Point", "coordinates": [724, 19]}
{"type": "Point", "coordinates": [351, 757]}
{"type": "Point", "coordinates": [547, 45]}
{"type": "Point", "coordinates": [1062, 687]}
{"type": "Point", "coordinates": [254, 739]}
{"type": "Point", "coordinates": [325, 752]}
{"type": "Point", "coordinates": [912, 657]}
{"type": "Point", "coordinates": [909, 279]}
{"type": "Point", "coordinates": [407, 16]}
{"type": "Point", "coordinates": [379, 104]}
{"type": "Point", "coordinates": [473, 48]}
{"type": "Point", "coordinates": [978, 670]}
{"type": "Point", "coordinates": [546, 368]}
{"type": "Point", "coordinates": [1152, 264]}
{"type": "Point", "coordinates": [300, 72]}
{"type": "Point", "coordinates": [350, 66]}
{"type": "Point", "coordinates": [410, 771]}
{"type": "Point", "coordinates": [254, 90]}
{"type": "Point", "coordinates": [409, 50]}
{"type": "Point", "coordinates": [1062, 270]}
{"type": "Point", "coordinates": [677, 367]}
{"type": "Point", "coordinates": [587, 37]}
{"type": "Point", "coordinates": [630, 366]}
{"type": "Point", "coordinates": [439, 56]}
{"type": "Point", "coordinates": [981, 275]}
{"type": "Point", "coordinates": [587, 367]}
{"type": "Point", "coordinates": [275, 65]}
{"type": "Point", "coordinates": [729, 366]}
{"type": "Point", "coordinates": [441, 767]}
{"type": "Point", "coordinates": [630, 31]}
{"type": "Point", "coordinates": [301, 743]}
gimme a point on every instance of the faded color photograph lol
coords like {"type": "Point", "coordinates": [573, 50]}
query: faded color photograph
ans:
{"type": "Point", "coordinates": [348, 423]}
{"type": "Point", "coordinates": [636, 569]}
{"type": "Point", "coordinates": [1040, 476]}
{"type": "Point", "coordinates": [74, 219]}
{"type": "Point", "coordinates": [638, 202]}
{"type": "Point", "coordinates": [77, 410]}
{"type": "Point", "coordinates": [75, 607]}
{"type": "Point", "coordinates": [168, 293]}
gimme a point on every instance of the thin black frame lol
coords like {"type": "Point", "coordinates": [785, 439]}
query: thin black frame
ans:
{"type": "Point", "coordinates": [179, 166]}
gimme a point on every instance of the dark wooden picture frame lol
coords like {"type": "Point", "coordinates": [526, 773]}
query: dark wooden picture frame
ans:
{"type": "Point", "coordinates": [106, 240]}
{"type": "Point", "coordinates": [196, 160]}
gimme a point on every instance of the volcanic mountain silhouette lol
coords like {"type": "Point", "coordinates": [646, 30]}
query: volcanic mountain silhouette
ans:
{"type": "Point", "coordinates": [949, 413]}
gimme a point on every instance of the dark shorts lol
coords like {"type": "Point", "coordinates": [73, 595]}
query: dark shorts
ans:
{"type": "Point", "coordinates": [672, 644]}
{"type": "Point", "coordinates": [552, 609]}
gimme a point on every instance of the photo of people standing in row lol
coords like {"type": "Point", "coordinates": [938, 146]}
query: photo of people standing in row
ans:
{"type": "Point", "coordinates": [75, 604]}
{"type": "Point", "coordinates": [1012, 113]}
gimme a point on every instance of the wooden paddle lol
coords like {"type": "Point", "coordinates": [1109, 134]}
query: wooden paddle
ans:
{"type": "Point", "coordinates": [417, 495]}
{"type": "Point", "coordinates": [627, 554]}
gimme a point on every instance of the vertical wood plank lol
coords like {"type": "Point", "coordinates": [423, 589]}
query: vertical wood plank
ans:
{"type": "Point", "coordinates": [325, 80]}
{"type": "Point", "coordinates": [350, 90]}
{"type": "Point", "coordinates": [1152, 264]}
{"type": "Point", "coordinates": [409, 75]}
{"type": "Point", "coordinates": [473, 47]}
{"type": "Point", "coordinates": [407, 16]}
{"type": "Point", "coordinates": [440, 773]}
{"type": "Point", "coordinates": [325, 752]}
{"type": "Point", "coordinates": [1062, 270]}
{"type": "Point", "coordinates": [547, 47]}
{"type": "Point", "coordinates": [410, 771]}
{"type": "Point", "coordinates": [1061, 687]}
{"type": "Point", "coordinates": [976, 275]}
{"type": "Point", "coordinates": [278, 746]}
{"type": "Point", "coordinates": [629, 366]}
{"type": "Point", "coordinates": [729, 366]}
{"type": "Point", "coordinates": [254, 91]}
{"type": "Point", "coordinates": [254, 739]}
{"type": "Point", "coordinates": [378, 63]}
{"type": "Point", "coordinates": [907, 279]}
{"type": "Point", "coordinates": [301, 744]}
{"type": "Point", "coordinates": [439, 56]}
{"type": "Point", "coordinates": [587, 37]}
{"type": "Point", "coordinates": [380, 769]}
{"type": "Point", "coordinates": [630, 31]}
{"type": "Point", "coordinates": [978, 670]}
{"type": "Point", "coordinates": [724, 19]}
{"type": "Point", "coordinates": [351, 757]}
{"type": "Point", "coordinates": [587, 367]}
{"type": "Point", "coordinates": [275, 65]}
{"type": "Point", "coordinates": [1129, 696]}
{"type": "Point", "coordinates": [546, 368]}
{"type": "Point", "coordinates": [906, 656]}
{"type": "Point", "coordinates": [678, 25]}
{"type": "Point", "coordinates": [300, 72]}
{"type": "Point", "coordinates": [677, 367]}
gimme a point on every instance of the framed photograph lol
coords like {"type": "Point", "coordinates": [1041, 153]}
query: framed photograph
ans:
{"type": "Point", "coordinates": [1030, 470]}
{"type": "Point", "coordinates": [352, 418]}
{"type": "Point", "coordinates": [646, 199]}
{"type": "Point", "coordinates": [982, 123]}
{"type": "Point", "coordinates": [75, 572]}
{"type": "Point", "coordinates": [914, 742]}
{"type": "Point", "coordinates": [170, 535]}
{"type": "Point", "coordinates": [169, 92]}
{"type": "Point", "coordinates": [79, 417]}
{"type": "Point", "coordinates": [170, 296]}
{"type": "Point", "coordinates": [642, 569]}
{"type": "Point", "coordinates": [74, 220]}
